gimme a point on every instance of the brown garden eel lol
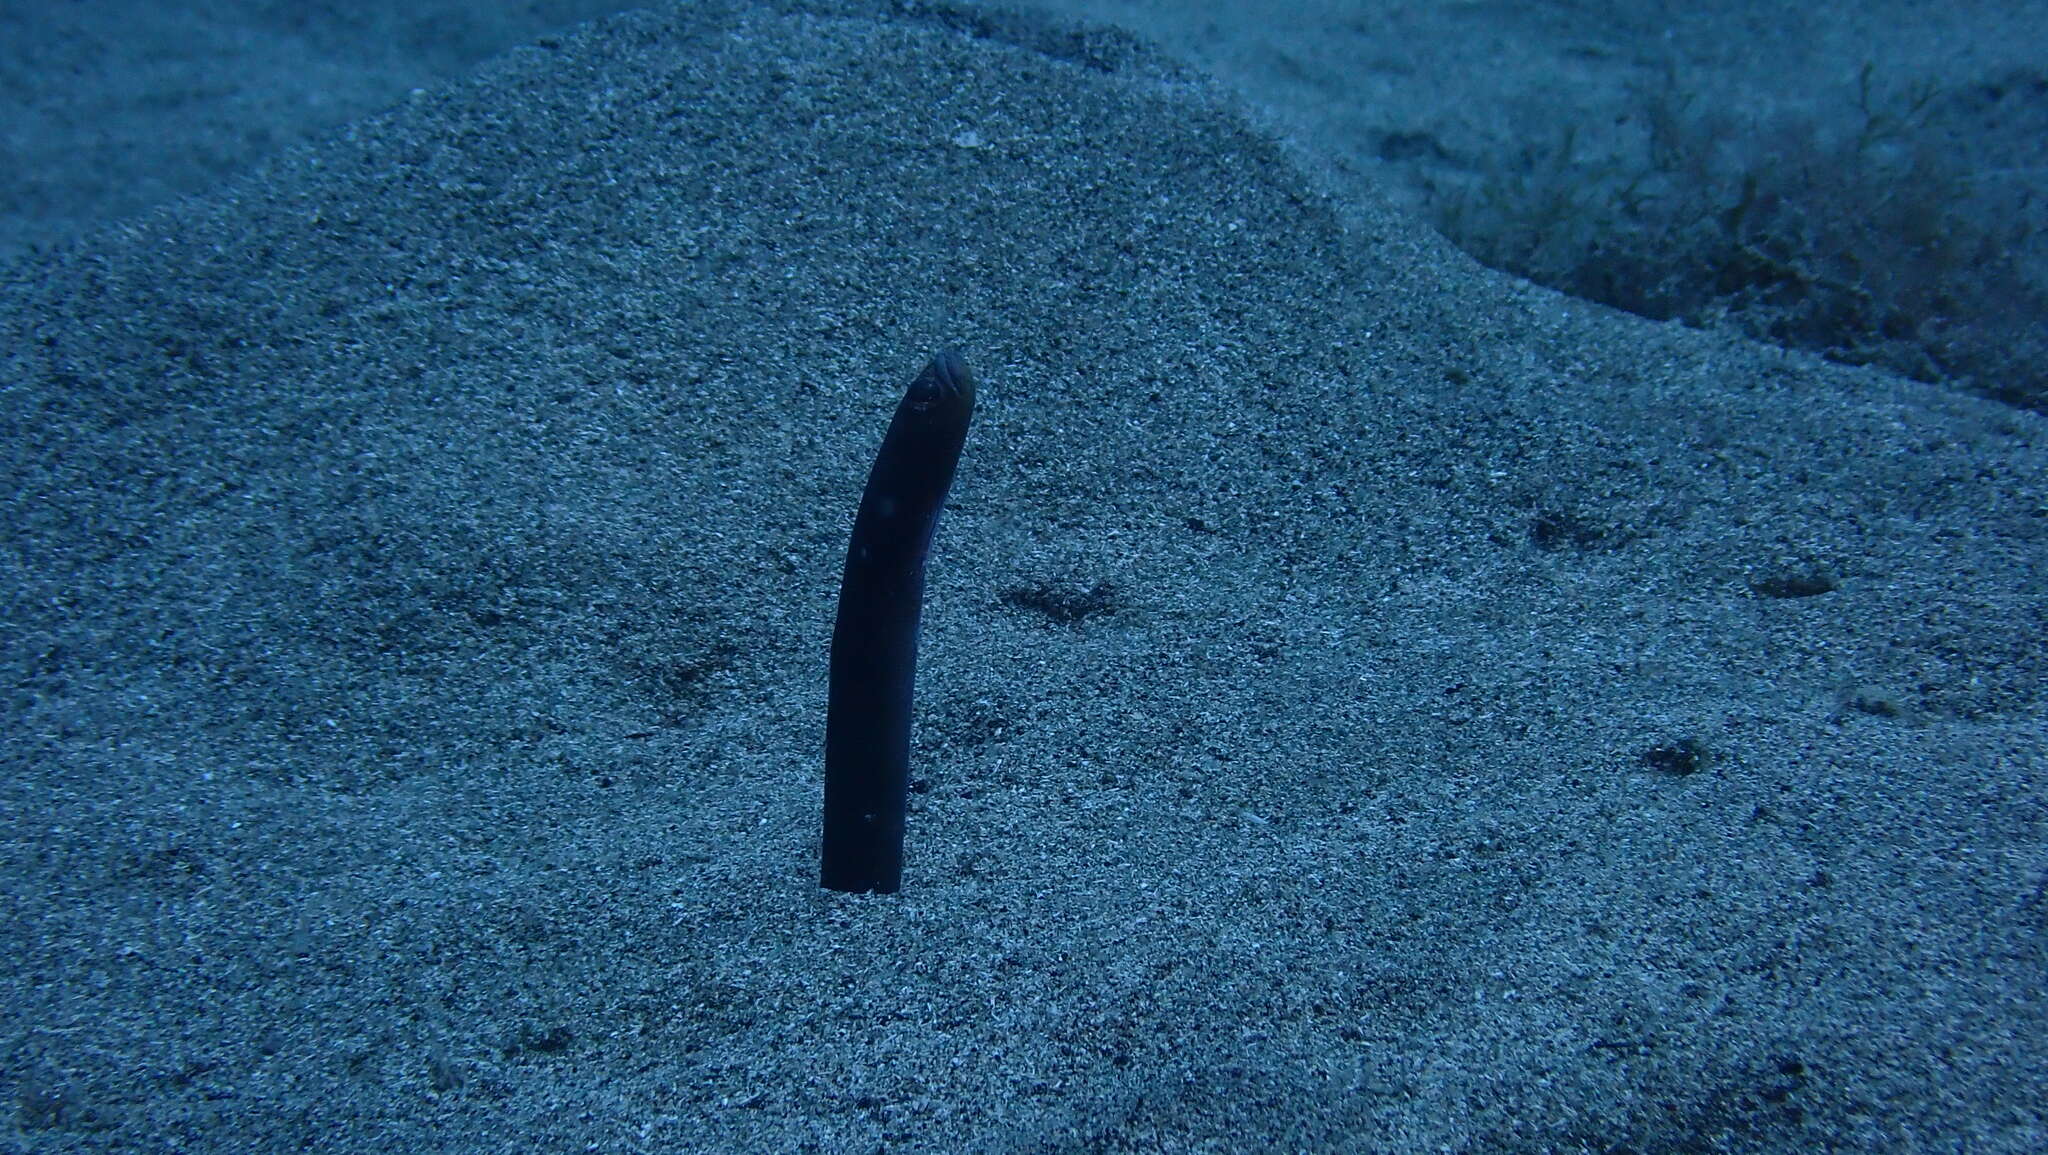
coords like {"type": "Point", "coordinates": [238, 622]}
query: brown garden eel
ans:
{"type": "Point", "coordinates": [874, 643]}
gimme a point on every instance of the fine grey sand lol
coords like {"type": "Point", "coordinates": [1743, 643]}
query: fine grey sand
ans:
{"type": "Point", "coordinates": [1368, 703]}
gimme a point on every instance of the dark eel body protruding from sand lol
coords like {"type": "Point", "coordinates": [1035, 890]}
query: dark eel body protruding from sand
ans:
{"type": "Point", "coordinates": [874, 644]}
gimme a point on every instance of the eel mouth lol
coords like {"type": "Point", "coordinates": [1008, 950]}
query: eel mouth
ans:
{"type": "Point", "coordinates": [945, 383]}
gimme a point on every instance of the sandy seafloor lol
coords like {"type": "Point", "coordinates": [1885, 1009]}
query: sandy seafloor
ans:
{"type": "Point", "coordinates": [1368, 703]}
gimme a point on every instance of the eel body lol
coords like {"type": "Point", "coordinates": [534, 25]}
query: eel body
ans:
{"type": "Point", "coordinates": [874, 642]}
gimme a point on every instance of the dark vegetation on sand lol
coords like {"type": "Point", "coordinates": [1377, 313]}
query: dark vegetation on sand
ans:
{"type": "Point", "coordinates": [1893, 235]}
